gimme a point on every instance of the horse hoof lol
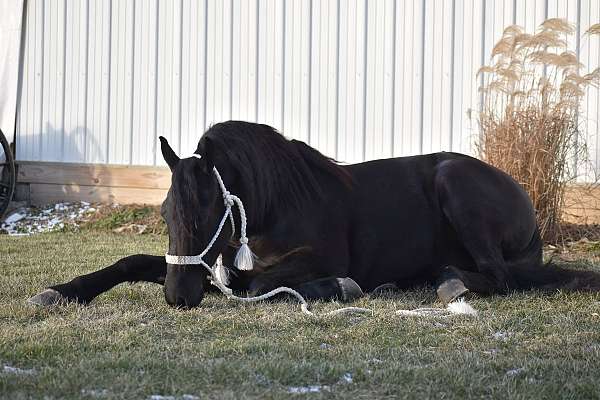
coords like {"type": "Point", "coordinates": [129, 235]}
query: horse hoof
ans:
{"type": "Point", "coordinates": [350, 289]}
{"type": "Point", "coordinates": [451, 290]}
{"type": "Point", "coordinates": [48, 297]}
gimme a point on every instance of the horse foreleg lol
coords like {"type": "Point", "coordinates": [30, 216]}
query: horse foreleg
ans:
{"type": "Point", "coordinates": [297, 275]}
{"type": "Point", "coordinates": [84, 288]}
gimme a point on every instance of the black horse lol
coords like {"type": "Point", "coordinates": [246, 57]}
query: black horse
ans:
{"type": "Point", "coordinates": [333, 230]}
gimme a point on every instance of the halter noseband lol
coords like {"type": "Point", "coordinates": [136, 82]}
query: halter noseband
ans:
{"type": "Point", "coordinates": [244, 257]}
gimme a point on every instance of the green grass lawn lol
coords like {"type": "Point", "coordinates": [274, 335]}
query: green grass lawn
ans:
{"type": "Point", "coordinates": [129, 344]}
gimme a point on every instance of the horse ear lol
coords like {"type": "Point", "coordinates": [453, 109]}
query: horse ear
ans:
{"type": "Point", "coordinates": [208, 155]}
{"type": "Point", "coordinates": [168, 154]}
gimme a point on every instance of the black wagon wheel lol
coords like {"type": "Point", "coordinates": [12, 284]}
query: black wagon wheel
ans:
{"type": "Point", "coordinates": [8, 176]}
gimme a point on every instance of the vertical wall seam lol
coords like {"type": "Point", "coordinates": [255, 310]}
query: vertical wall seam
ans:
{"type": "Point", "coordinates": [452, 60]}
{"type": "Point", "coordinates": [232, 3]}
{"type": "Point", "coordinates": [110, 28]}
{"type": "Point", "coordinates": [64, 81]}
{"type": "Point", "coordinates": [86, 80]}
{"type": "Point", "coordinates": [393, 101]}
{"type": "Point", "coordinates": [310, 47]}
{"type": "Point", "coordinates": [155, 122]}
{"type": "Point", "coordinates": [337, 83]}
{"type": "Point", "coordinates": [422, 83]}
{"type": "Point", "coordinates": [578, 53]}
{"type": "Point", "coordinates": [545, 18]}
{"type": "Point", "coordinates": [23, 38]}
{"type": "Point", "coordinates": [514, 16]}
{"type": "Point", "coordinates": [441, 73]}
{"type": "Point", "coordinates": [179, 105]}
{"type": "Point", "coordinates": [283, 68]}
{"type": "Point", "coordinates": [42, 79]}
{"type": "Point", "coordinates": [257, 74]}
{"type": "Point", "coordinates": [132, 77]}
{"type": "Point", "coordinates": [482, 60]}
{"type": "Point", "coordinates": [365, 97]}
{"type": "Point", "coordinates": [204, 90]}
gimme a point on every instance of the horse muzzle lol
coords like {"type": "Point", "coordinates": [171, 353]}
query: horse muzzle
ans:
{"type": "Point", "coordinates": [184, 286]}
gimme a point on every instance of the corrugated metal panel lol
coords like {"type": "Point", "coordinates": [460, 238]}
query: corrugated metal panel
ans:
{"type": "Point", "coordinates": [590, 55]}
{"type": "Point", "coordinates": [358, 79]}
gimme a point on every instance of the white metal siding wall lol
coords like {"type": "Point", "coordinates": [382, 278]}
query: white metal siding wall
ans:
{"type": "Point", "coordinates": [358, 79]}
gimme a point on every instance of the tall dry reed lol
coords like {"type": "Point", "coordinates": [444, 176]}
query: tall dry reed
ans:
{"type": "Point", "coordinates": [529, 123]}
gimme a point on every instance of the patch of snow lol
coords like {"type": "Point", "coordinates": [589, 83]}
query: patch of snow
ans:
{"type": "Point", "coordinates": [17, 371]}
{"type": "Point", "coordinates": [346, 378]}
{"type": "Point", "coordinates": [31, 220]}
{"type": "Point", "coordinates": [94, 392]}
{"type": "Point", "coordinates": [308, 389]}
{"type": "Point", "coordinates": [515, 372]}
{"type": "Point", "coordinates": [15, 217]}
{"type": "Point", "coordinates": [500, 335]}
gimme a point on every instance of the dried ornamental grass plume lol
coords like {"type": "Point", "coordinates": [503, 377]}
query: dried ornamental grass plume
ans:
{"type": "Point", "coordinates": [593, 30]}
{"type": "Point", "coordinates": [503, 47]}
{"type": "Point", "coordinates": [512, 30]}
{"type": "Point", "coordinates": [532, 91]}
{"type": "Point", "coordinates": [545, 39]}
{"type": "Point", "coordinates": [558, 25]}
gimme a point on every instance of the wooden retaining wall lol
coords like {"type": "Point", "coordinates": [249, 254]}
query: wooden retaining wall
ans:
{"type": "Point", "coordinates": [44, 182]}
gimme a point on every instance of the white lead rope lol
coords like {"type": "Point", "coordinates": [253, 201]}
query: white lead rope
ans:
{"type": "Point", "coordinates": [216, 281]}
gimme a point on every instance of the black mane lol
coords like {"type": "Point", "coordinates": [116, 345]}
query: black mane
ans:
{"type": "Point", "coordinates": [273, 169]}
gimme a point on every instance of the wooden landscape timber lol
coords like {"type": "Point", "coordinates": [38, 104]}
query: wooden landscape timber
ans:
{"type": "Point", "coordinates": [47, 182]}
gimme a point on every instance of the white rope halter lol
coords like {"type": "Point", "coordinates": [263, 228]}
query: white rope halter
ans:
{"type": "Point", "coordinates": [244, 258]}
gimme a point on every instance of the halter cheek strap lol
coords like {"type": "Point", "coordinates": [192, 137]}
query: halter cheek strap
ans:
{"type": "Point", "coordinates": [244, 258]}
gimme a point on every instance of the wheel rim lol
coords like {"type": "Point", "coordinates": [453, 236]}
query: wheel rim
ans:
{"type": "Point", "coordinates": [7, 175]}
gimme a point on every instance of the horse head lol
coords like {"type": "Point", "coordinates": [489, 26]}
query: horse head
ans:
{"type": "Point", "coordinates": [192, 210]}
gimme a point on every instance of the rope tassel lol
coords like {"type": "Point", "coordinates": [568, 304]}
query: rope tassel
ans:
{"type": "Point", "coordinates": [221, 273]}
{"type": "Point", "coordinates": [244, 259]}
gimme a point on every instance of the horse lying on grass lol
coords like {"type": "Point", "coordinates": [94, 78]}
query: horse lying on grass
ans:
{"type": "Point", "coordinates": [334, 231]}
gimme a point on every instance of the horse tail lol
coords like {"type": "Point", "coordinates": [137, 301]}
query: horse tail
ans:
{"type": "Point", "coordinates": [531, 273]}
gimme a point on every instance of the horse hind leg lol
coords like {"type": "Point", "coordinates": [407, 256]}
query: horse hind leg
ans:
{"type": "Point", "coordinates": [454, 283]}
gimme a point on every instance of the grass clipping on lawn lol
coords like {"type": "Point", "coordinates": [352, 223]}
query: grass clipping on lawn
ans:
{"type": "Point", "coordinates": [530, 114]}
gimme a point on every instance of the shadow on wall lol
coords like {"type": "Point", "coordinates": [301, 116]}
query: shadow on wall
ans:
{"type": "Point", "coordinates": [74, 168]}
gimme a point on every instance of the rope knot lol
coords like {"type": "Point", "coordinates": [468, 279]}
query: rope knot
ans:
{"type": "Point", "coordinates": [244, 240]}
{"type": "Point", "coordinates": [228, 198]}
